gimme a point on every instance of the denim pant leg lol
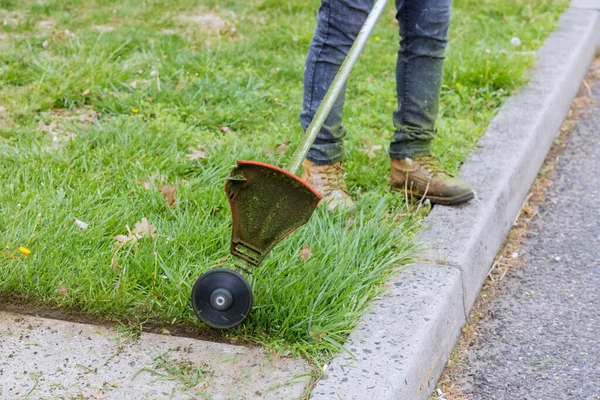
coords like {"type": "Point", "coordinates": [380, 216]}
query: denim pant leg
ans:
{"type": "Point", "coordinates": [419, 69]}
{"type": "Point", "coordinates": [338, 24]}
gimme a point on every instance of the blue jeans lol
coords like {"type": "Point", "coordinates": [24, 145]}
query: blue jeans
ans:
{"type": "Point", "coordinates": [424, 32]}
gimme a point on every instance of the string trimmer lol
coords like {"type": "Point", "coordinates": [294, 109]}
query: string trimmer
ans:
{"type": "Point", "coordinates": [267, 204]}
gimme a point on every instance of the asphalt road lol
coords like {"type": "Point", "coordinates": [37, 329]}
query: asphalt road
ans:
{"type": "Point", "coordinates": [542, 340]}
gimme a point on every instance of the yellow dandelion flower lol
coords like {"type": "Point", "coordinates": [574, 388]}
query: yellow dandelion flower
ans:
{"type": "Point", "coordinates": [134, 110]}
{"type": "Point", "coordinates": [24, 250]}
{"type": "Point", "coordinates": [458, 84]}
{"type": "Point", "coordinates": [377, 38]}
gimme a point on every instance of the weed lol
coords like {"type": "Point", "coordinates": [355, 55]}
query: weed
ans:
{"type": "Point", "coordinates": [188, 374]}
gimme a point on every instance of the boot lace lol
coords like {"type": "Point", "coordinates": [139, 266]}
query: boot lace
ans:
{"type": "Point", "coordinates": [332, 178]}
{"type": "Point", "coordinates": [431, 164]}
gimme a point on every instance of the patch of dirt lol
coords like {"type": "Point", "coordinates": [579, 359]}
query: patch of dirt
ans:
{"type": "Point", "coordinates": [508, 259]}
{"type": "Point", "coordinates": [11, 18]}
{"type": "Point", "coordinates": [210, 22]}
{"type": "Point", "coordinates": [63, 122]}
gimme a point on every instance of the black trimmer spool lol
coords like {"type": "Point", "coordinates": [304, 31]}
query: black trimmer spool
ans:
{"type": "Point", "coordinates": [222, 298]}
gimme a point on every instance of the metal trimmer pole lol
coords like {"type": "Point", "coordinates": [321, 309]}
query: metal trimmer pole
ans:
{"type": "Point", "coordinates": [336, 87]}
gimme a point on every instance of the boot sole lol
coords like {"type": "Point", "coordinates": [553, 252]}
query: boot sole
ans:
{"type": "Point", "coordinates": [446, 201]}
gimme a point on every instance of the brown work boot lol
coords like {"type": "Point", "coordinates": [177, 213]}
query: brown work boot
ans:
{"type": "Point", "coordinates": [424, 177]}
{"type": "Point", "coordinates": [329, 181]}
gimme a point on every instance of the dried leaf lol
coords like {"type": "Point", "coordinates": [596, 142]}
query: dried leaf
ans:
{"type": "Point", "coordinates": [222, 260]}
{"type": "Point", "coordinates": [152, 180]}
{"type": "Point", "coordinates": [113, 262]}
{"type": "Point", "coordinates": [196, 154]}
{"type": "Point", "coordinates": [144, 183]}
{"type": "Point", "coordinates": [164, 331]}
{"type": "Point", "coordinates": [279, 149]}
{"type": "Point", "coordinates": [62, 290]}
{"type": "Point", "coordinates": [305, 253]}
{"type": "Point", "coordinates": [144, 229]}
{"type": "Point", "coordinates": [225, 129]}
{"type": "Point", "coordinates": [80, 224]}
{"type": "Point", "coordinates": [86, 92]}
{"type": "Point", "coordinates": [371, 152]}
{"type": "Point", "coordinates": [581, 102]}
{"type": "Point", "coordinates": [169, 193]}
{"type": "Point", "coordinates": [122, 239]}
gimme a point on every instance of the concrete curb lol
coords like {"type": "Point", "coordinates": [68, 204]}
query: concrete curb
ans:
{"type": "Point", "coordinates": [401, 346]}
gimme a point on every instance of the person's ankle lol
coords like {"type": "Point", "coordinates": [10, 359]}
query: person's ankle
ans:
{"type": "Point", "coordinates": [329, 181]}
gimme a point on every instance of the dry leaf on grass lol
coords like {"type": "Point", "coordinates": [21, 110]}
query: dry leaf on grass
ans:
{"type": "Point", "coordinates": [169, 193]}
{"type": "Point", "coordinates": [122, 239]}
{"type": "Point", "coordinates": [161, 179]}
{"type": "Point", "coordinates": [371, 152]}
{"type": "Point", "coordinates": [581, 102]}
{"type": "Point", "coordinates": [144, 183]}
{"type": "Point", "coordinates": [80, 224]}
{"type": "Point", "coordinates": [62, 290]}
{"type": "Point", "coordinates": [225, 129]}
{"type": "Point", "coordinates": [142, 229]}
{"type": "Point", "coordinates": [145, 229]}
{"type": "Point", "coordinates": [279, 149]}
{"type": "Point", "coordinates": [196, 154]}
{"type": "Point", "coordinates": [305, 253]}
{"type": "Point", "coordinates": [113, 263]}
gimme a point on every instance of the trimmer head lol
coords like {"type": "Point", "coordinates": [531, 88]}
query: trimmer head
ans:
{"type": "Point", "coordinates": [267, 204]}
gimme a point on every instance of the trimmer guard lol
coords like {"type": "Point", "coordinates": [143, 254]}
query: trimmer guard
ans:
{"type": "Point", "coordinates": [267, 204]}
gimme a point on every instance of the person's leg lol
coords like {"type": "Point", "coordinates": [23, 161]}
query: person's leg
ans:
{"type": "Point", "coordinates": [338, 24]}
{"type": "Point", "coordinates": [419, 69]}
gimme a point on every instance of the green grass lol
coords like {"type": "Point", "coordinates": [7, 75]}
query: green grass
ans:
{"type": "Point", "coordinates": [98, 96]}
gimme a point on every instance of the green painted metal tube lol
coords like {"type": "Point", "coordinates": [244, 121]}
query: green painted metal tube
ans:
{"type": "Point", "coordinates": [336, 87]}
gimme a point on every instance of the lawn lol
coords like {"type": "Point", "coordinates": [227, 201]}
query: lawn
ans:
{"type": "Point", "coordinates": [127, 116]}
